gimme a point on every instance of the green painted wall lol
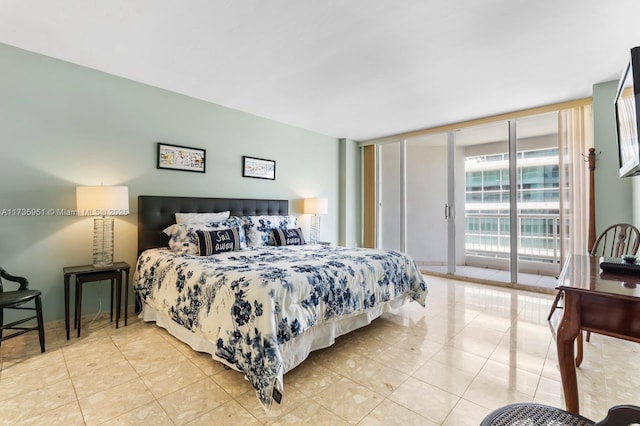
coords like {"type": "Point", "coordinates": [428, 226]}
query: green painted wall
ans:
{"type": "Point", "coordinates": [635, 201]}
{"type": "Point", "coordinates": [62, 125]}
{"type": "Point", "coordinates": [614, 196]}
{"type": "Point", "coordinates": [350, 194]}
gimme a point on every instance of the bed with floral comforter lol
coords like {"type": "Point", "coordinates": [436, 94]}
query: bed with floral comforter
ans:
{"type": "Point", "coordinates": [250, 304]}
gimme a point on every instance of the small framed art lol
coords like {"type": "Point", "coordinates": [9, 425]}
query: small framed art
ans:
{"type": "Point", "coordinates": [175, 157]}
{"type": "Point", "coordinates": [258, 168]}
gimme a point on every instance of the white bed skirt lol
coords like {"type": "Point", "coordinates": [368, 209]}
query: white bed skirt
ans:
{"type": "Point", "coordinates": [295, 350]}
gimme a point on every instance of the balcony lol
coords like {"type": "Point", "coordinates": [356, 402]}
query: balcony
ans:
{"type": "Point", "coordinates": [487, 242]}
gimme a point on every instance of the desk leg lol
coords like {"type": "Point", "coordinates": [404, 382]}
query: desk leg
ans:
{"type": "Point", "coordinates": [118, 297]}
{"type": "Point", "coordinates": [126, 295]}
{"type": "Point", "coordinates": [78, 304]}
{"type": "Point", "coordinates": [580, 349]}
{"type": "Point", "coordinates": [567, 333]}
{"type": "Point", "coordinates": [66, 303]}
{"type": "Point", "coordinates": [113, 282]}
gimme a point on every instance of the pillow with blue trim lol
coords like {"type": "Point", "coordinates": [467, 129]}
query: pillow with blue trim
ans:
{"type": "Point", "coordinates": [183, 238]}
{"type": "Point", "coordinates": [288, 237]}
{"type": "Point", "coordinates": [214, 242]}
{"type": "Point", "coordinates": [258, 228]}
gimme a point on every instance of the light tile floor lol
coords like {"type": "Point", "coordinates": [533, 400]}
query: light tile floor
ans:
{"type": "Point", "coordinates": [543, 283]}
{"type": "Point", "coordinates": [473, 349]}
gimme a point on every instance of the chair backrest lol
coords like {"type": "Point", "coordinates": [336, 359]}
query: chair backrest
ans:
{"type": "Point", "coordinates": [3, 273]}
{"type": "Point", "coordinates": [24, 283]}
{"type": "Point", "coordinates": [616, 240]}
{"type": "Point", "coordinates": [621, 415]}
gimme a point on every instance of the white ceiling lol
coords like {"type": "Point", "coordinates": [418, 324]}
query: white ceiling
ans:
{"type": "Point", "coordinates": [359, 69]}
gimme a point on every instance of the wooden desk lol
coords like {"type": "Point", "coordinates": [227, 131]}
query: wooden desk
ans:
{"type": "Point", "coordinates": [595, 301]}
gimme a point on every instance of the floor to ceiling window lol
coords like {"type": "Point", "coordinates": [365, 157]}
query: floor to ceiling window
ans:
{"type": "Point", "coordinates": [487, 201]}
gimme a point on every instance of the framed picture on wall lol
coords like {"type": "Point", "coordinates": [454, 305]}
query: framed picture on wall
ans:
{"type": "Point", "coordinates": [258, 168]}
{"type": "Point", "coordinates": [176, 157]}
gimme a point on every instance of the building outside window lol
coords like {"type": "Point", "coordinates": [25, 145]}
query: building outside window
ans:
{"type": "Point", "coordinates": [487, 205]}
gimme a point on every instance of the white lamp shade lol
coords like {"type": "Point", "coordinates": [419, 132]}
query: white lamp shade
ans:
{"type": "Point", "coordinates": [102, 200]}
{"type": "Point", "coordinates": [316, 206]}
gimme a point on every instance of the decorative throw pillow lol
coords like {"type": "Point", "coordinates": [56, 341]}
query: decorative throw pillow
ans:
{"type": "Point", "coordinates": [258, 228]}
{"type": "Point", "coordinates": [288, 237]}
{"type": "Point", "coordinates": [214, 242]}
{"type": "Point", "coordinates": [184, 239]}
{"type": "Point", "coordinates": [201, 217]}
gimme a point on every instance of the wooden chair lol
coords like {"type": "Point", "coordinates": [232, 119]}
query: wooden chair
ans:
{"type": "Point", "coordinates": [538, 414]}
{"type": "Point", "coordinates": [14, 300]}
{"type": "Point", "coordinates": [616, 240]}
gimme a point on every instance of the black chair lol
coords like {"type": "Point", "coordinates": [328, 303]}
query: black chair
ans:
{"type": "Point", "coordinates": [14, 300]}
{"type": "Point", "coordinates": [530, 414]}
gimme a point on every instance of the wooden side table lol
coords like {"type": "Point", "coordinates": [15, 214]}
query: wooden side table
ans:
{"type": "Point", "coordinates": [89, 273]}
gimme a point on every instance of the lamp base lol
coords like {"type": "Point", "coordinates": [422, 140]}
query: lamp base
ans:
{"type": "Point", "coordinates": [102, 242]}
{"type": "Point", "coordinates": [314, 232]}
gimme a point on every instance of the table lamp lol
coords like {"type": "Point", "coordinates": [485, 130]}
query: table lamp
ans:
{"type": "Point", "coordinates": [316, 207]}
{"type": "Point", "coordinates": [104, 202]}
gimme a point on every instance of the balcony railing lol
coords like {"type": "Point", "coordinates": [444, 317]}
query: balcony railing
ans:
{"type": "Point", "coordinates": [538, 238]}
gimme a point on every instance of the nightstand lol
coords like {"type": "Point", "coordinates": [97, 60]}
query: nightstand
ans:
{"type": "Point", "coordinates": [89, 273]}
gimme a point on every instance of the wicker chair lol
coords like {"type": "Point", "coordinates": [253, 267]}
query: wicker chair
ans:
{"type": "Point", "coordinates": [530, 414]}
{"type": "Point", "coordinates": [15, 300]}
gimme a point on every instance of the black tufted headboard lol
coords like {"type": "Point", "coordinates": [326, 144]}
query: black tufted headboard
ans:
{"type": "Point", "coordinates": [155, 213]}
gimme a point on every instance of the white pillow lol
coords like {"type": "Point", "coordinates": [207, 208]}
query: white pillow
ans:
{"type": "Point", "coordinates": [183, 238]}
{"type": "Point", "coordinates": [258, 228]}
{"type": "Point", "coordinates": [201, 217]}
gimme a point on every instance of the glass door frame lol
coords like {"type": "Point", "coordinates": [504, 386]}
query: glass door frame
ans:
{"type": "Point", "coordinates": [450, 208]}
{"type": "Point", "coordinates": [510, 118]}
{"type": "Point", "coordinates": [402, 193]}
{"type": "Point", "coordinates": [513, 203]}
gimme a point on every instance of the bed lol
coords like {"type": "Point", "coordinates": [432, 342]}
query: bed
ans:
{"type": "Point", "coordinates": [260, 309]}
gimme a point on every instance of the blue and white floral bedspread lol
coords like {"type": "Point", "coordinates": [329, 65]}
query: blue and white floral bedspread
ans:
{"type": "Point", "coordinates": [250, 301]}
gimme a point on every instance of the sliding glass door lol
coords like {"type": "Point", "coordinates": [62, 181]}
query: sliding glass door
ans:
{"type": "Point", "coordinates": [414, 209]}
{"type": "Point", "coordinates": [503, 200]}
{"type": "Point", "coordinates": [538, 199]}
{"type": "Point", "coordinates": [480, 202]}
{"type": "Point", "coordinates": [512, 196]}
{"type": "Point", "coordinates": [487, 202]}
{"type": "Point", "coordinates": [429, 210]}
{"type": "Point", "coordinates": [389, 200]}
